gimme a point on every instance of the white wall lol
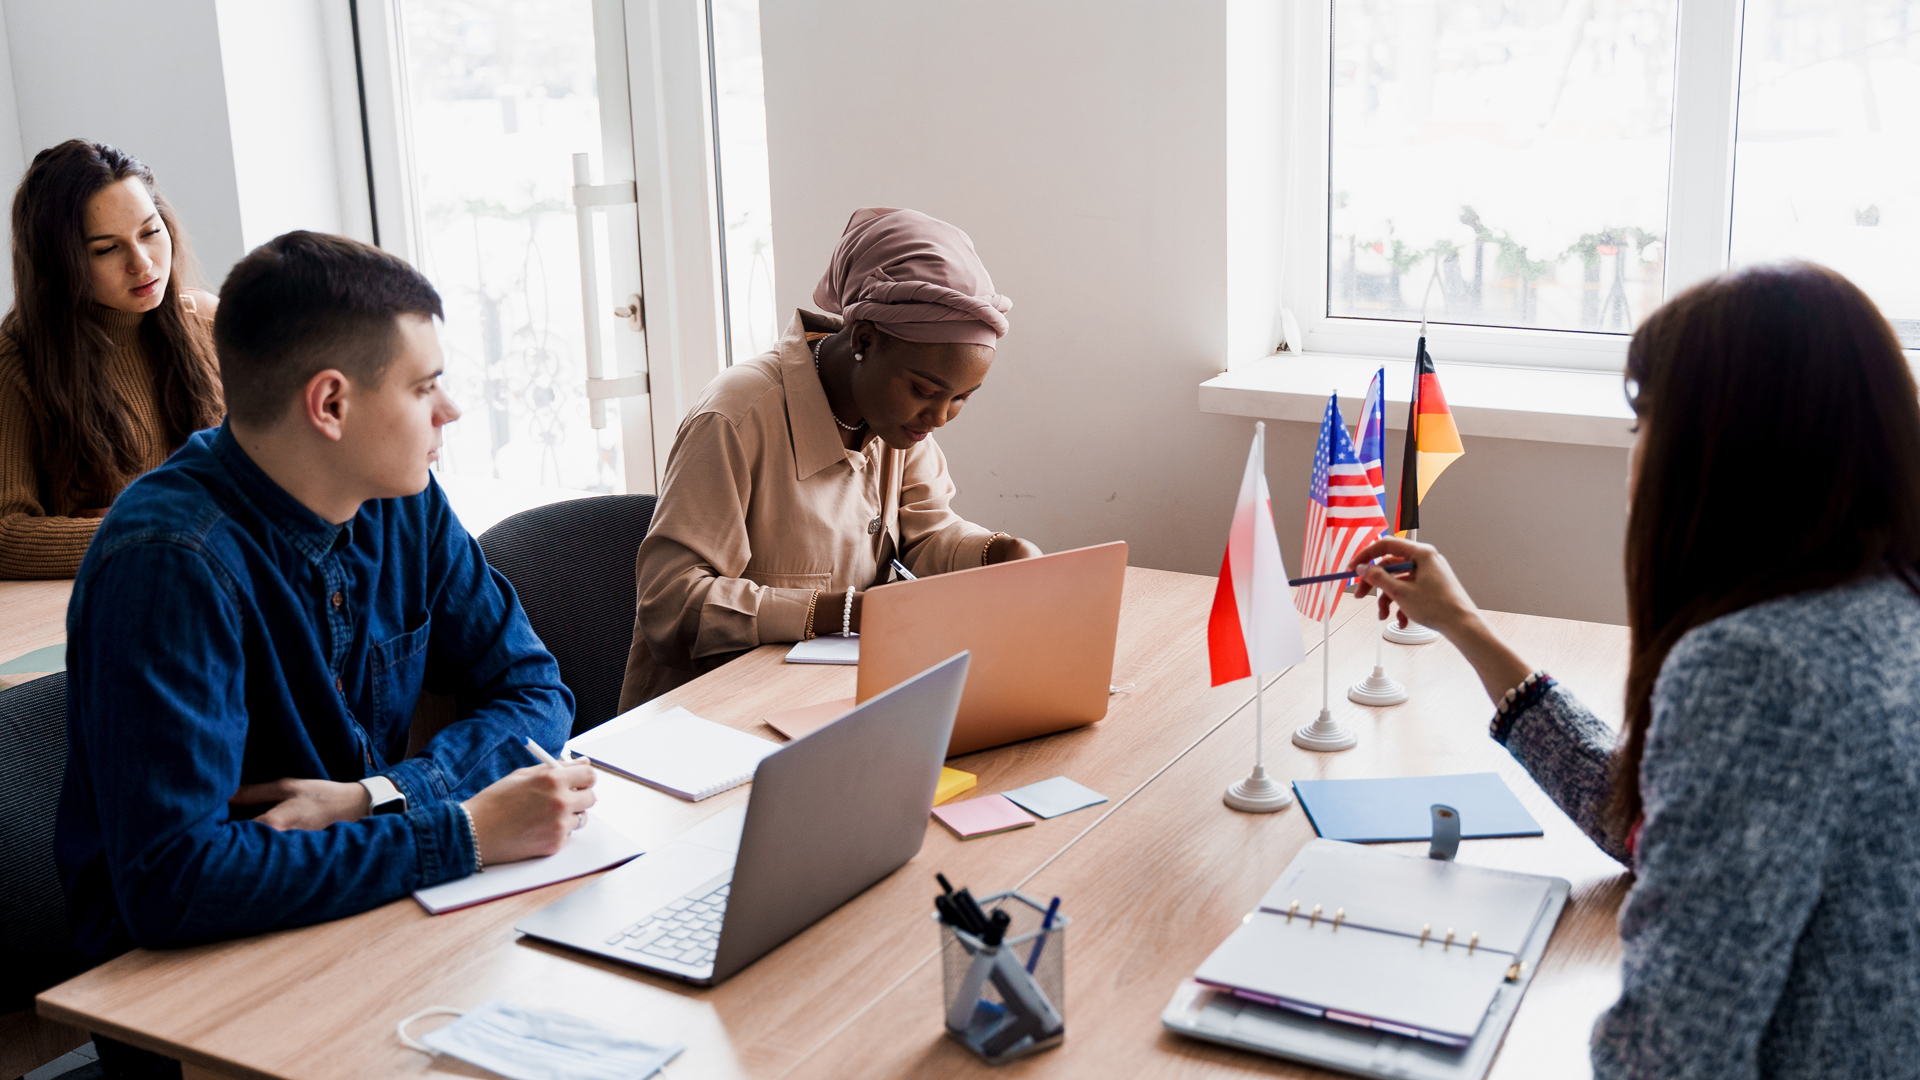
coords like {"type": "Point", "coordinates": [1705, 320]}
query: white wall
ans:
{"type": "Point", "coordinates": [231, 102]}
{"type": "Point", "coordinates": [13, 162]}
{"type": "Point", "coordinates": [1089, 148]}
{"type": "Point", "coordinates": [144, 77]}
{"type": "Point", "coordinates": [280, 106]}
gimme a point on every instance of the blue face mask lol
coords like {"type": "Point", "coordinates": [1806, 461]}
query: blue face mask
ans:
{"type": "Point", "coordinates": [540, 1044]}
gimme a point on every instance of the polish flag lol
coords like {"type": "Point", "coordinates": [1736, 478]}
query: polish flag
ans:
{"type": "Point", "coordinates": [1252, 628]}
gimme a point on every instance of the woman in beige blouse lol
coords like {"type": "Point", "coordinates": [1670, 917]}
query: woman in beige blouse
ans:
{"type": "Point", "coordinates": [799, 474]}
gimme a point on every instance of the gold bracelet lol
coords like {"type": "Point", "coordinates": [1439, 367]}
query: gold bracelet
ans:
{"type": "Point", "coordinates": [812, 601]}
{"type": "Point", "coordinates": [989, 547]}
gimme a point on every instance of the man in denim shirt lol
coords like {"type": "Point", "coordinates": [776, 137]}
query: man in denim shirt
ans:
{"type": "Point", "coordinates": [254, 623]}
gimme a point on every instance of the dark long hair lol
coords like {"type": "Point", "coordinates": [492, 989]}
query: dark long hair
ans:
{"type": "Point", "coordinates": [85, 431]}
{"type": "Point", "coordinates": [1781, 454]}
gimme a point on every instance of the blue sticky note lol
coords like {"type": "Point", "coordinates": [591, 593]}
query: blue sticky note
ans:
{"type": "Point", "coordinates": [1401, 808]}
{"type": "Point", "coordinates": [1051, 798]}
{"type": "Point", "coordinates": [51, 658]}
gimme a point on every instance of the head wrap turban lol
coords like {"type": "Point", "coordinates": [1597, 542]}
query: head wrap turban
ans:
{"type": "Point", "coordinates": [916, 277]}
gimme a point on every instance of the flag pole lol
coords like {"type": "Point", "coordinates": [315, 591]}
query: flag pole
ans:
{"type": "Point", "coordinates": [1325, 733]}
{"type": "Point", "coordinates": [1378, 688]}
{"type": "Point", "coordinates": [1258, 793]}
{"type": "Point", "coordinates": [1412, 634]}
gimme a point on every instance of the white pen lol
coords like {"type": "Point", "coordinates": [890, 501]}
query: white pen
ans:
{"type": "Point", "coordinates": [540, 752]}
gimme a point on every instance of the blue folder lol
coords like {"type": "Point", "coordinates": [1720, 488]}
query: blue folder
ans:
{"type": "Point", "coordinates": [1401, 808]}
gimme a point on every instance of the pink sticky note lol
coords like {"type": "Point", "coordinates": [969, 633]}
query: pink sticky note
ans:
{"type": "Point", "coordinates": [982, 816]}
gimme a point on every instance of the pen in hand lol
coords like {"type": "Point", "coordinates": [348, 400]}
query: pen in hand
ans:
{"type": "Point", "coordinates": [1394, 568]}
{"type": "Point", "coordinates": [540, 752]}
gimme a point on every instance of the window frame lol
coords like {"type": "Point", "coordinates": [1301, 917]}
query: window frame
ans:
{"type": "Point", "coordinates": [1699, 199]}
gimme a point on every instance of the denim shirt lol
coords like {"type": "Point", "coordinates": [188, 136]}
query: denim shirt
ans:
{"type": "Point", "coordinates": [220, 634]}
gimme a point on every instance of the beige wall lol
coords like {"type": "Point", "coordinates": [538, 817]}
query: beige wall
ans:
{"type": "Point", "coordinates": [1084, 145]}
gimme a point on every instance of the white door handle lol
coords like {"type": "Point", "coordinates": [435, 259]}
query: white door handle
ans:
{"type": "Point", "coordinates": [586, 196]}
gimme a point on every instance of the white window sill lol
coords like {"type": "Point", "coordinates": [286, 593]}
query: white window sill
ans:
{"type": "Point", "coordinates": [1587, 408]}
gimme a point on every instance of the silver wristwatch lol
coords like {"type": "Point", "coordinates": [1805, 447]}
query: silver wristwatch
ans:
{"type": "Point", "coordinates": [387, 799]}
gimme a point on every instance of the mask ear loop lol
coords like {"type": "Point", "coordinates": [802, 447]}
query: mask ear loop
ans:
{"type": "Point", "coordinates": [413, 1044]}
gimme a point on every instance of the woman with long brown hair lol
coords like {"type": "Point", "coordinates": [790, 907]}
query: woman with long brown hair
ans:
{"type": "Point", "coordinates": [1765, 787]}
{"type": "Point", "coordinates": [106, 358]}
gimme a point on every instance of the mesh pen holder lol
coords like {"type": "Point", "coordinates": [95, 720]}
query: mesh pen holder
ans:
{"type": "Point", "coordinates": [994, 1006]}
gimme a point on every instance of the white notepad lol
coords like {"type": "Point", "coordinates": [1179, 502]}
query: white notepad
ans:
{"type": "Point", "coordinates": [677, 752]}
{"type": "Point", "coordinates": [592, 847]}
{"type": "Point", "coordinates": [826, 649]}
{"type": "Point", "coordinates": [1373, 968]}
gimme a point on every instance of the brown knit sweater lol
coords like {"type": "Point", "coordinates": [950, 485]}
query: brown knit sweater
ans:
{"type": "Point", "coordinates": [39, 535]}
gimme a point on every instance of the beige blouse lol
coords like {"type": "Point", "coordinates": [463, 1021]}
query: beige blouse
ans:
{"type": "Point", "coordinates": [763, 505]}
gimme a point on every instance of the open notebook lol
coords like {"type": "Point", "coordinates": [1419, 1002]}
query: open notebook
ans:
{"type": "Point", "coordinates": [1401, 944]}
{"type": "Point", "coordinates": [676, 751]}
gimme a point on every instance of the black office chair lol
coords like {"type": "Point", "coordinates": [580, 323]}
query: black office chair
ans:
{"type": "Point", "coordinates": [572, 564]}
{"type": "Point", "coordinates": [34, 937]}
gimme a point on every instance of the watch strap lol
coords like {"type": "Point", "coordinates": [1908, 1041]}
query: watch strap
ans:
{"type": "Point", "coordinates": [386, 797]}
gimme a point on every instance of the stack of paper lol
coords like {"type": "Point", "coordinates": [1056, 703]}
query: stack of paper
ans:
{"type": "Point", "coordinates": [594, 846]}
{"type": "Point", "coordinates": [677, 752]}
{"type": "Point", "coordinates": [826, 649]}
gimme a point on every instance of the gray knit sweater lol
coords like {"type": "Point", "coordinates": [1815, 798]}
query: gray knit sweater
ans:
{"type": "Point", "coordinates": [1774, 926]}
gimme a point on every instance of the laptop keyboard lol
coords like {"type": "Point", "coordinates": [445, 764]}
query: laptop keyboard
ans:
{"type": "Point", "coordinates": [686, 930]}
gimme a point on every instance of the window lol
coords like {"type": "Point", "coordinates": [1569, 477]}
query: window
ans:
{"type": "Point", "coordinates": [1827, 154]}
{"type": "Point", "coordinates": [1538, 175]}
{"type": "Point", "coordinates": [545, 163]}
{"type": "Point", "coordinates": [746, 200]}
{"type": "Point", "coordinates": [499, 95]}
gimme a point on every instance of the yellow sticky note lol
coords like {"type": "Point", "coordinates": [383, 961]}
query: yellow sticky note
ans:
{"type": "Point", "coordinates": [952, 782]}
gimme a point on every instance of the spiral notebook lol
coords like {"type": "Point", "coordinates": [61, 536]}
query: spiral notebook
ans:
{"type": "Point", "coordinates": [676, 751]}
{"type": "Point", "coordinates": [1400, 944]}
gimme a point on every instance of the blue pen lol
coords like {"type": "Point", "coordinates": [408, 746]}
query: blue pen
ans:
{"type": "Point", "coordinates": [905, 574]}
{"type": "Point", "coordinates": [1046, 924]}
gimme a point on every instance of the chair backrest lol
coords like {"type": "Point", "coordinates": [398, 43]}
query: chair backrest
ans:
{"type": "Point", "coordinates": [573, 565]}
{"type": "Point", "coordinates": [34, 935]}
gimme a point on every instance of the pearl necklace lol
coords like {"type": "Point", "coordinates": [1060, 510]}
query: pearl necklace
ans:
{"type": "Point", "coordinates": [844, 426]}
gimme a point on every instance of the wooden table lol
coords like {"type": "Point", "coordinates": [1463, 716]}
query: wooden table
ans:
{"type": "Point", "coordinates": [1171, 872]}
{"type": "Point", "coordinates": [322, 1001]}
{"type": "Point", "coordinates": [33, 615]}
{"type": "Point", "coordinates": [1156, 877]}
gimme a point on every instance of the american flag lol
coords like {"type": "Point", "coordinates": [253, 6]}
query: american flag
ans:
{"type": "Point", "coordinates": [1343, 514]}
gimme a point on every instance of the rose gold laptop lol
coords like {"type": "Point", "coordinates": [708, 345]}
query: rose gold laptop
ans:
{"type": "Point", "coordinates": [1041, 632]}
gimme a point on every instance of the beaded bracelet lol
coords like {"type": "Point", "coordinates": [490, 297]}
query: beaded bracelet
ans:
{"type": "Point", "coordinates": [1516, 701]}
{"type": "Point", "coordinates": [473, 834]}
{"type": "Point", "coordinates": [812, 602]}
{"type": "Point", "coordinates": [989, 546]}
{"type": "Point", "coordinates": [846, 614]}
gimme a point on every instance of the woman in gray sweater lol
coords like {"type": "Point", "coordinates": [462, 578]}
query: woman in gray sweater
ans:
{"type": "Point", "coordinates": [1766, 787]}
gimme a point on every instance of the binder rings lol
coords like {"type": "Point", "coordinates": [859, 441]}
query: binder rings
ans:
{"type": "Point", "coordinates": [1375, 963]}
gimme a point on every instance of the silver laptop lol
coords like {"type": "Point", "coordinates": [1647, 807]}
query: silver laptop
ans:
{"type": "Point", "coordinates": [830, 814]}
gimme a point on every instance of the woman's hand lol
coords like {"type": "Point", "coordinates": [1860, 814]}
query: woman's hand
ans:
{"type": "Point", "coordinates": [1429, 594]}
{"type": "Point", "coordinates": [530, 812]}
{"type": "Point", "coordinates": [305, 804]}
{"type": "Point", "coordinates": [1009, 548]}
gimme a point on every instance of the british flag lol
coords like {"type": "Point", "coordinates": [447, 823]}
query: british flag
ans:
{"type": "Point", "coordinates": [1370, 434]}
{"type": "Point", "coordinates": [1343, 514]}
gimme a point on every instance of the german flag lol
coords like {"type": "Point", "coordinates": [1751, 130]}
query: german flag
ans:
{"type": "Point", "coordinates": [1433, 442]}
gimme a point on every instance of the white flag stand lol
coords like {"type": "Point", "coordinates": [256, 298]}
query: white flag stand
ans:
{"type": "Point", "coordinates": [1414, 634]}
{"type": "Point", "coordinates": [1377, 688]}
{"type": "Point", "coordinates": [1258, 793]}
{"type": "Point", "coordinates": [1325, 733]}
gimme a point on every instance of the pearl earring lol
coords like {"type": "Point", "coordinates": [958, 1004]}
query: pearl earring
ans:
{"type": "Point", "coordinates": [858, 358]}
